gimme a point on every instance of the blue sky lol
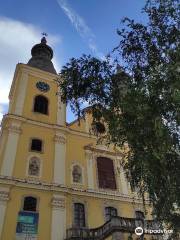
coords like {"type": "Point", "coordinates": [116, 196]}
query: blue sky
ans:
{"type": "Point", "coordinates": [74, 27]}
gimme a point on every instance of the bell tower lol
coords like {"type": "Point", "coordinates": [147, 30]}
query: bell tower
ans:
{"type": "Point", "coordinates": [32, 143]}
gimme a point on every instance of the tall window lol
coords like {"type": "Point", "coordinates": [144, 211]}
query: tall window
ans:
{"type": "Point", "coordinates": [79, 215]}
{"type": "Point", "coordinates": [41, 104]}
{"type": "Point", "coordinates": [30, 204]}
{"type": "Point", "coordinates": [34, 167]}
{"type": "Point", "coordinates": [110, 212]}
{"type": "Point", "coordinates": [36, 145]}
{"type": "Point", "coordinates": [106, 174]}
{"type": "Point", "coordinates": [139, 215]}
{"type": "Point", "coordinates": [77, 174]}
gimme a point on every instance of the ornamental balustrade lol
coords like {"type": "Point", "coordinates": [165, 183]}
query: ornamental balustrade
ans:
{"type": "Point", "coordinates": [115, 224]}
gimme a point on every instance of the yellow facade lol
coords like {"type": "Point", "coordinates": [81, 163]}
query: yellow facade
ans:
{"type": "Point", "coordinates": [63, 147]}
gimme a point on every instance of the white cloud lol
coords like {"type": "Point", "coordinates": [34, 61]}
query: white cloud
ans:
{"type": "Point", "coordinates": [16, 41]}
{"type": "Point", "coordinates": [1, 112]}
{"type": "Point", "coordinates": [81, 27]}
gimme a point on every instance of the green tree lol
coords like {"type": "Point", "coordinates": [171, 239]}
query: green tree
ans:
{"type": "Point", "coordinates": [139, 101]}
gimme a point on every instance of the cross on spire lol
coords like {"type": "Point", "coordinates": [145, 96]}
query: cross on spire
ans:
{"type": "Point", "coordinates": [43, 39]}
{"type": "Point", "coordinates": [44, 34]}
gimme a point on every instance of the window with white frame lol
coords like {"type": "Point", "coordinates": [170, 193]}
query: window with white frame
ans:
{"type": "Point", "coordinates": [79, 215]}
{"type": "Point", "coordinates": [106, 174]}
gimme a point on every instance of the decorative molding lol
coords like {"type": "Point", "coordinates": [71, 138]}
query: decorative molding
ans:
{"type": "Point", "coordinates": [49, 126]}
{"type": "Point", "coordinates": [14, 128]}
{"type": "Point", "coordinates": [59, 139]}
{"type": "Point", "coordinates": [34, 177]}
{"type": "Point", "coordinates": [102, 151]}
{"type": "Point", "coordinates": [76, 184]}
{"type": "Point", "coordinates": [88, 152]}
{"type": "Point", "coordinates": [58, 202]}
{"type": "Point", "coordinates": [52, 187]}
{"type": "Point", "coordinates": [4, 196]}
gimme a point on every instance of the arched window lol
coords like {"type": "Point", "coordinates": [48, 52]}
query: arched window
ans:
{"type": "Point", "coordinates": [139, 215]}
{"type": "Point", "coordinates": [36, 145]}
{"type": "Point", "coordinates": [30, 204]}
{"type": "Point", "coordinates": [41, 104]}
{"type": "Point", "coordinates": [77, 174]}
{"type": "Point", "coordinates": [79, 215]}
{"type": "Point", "coordinates": [34, 167]}
{"type": "Point", "coordinates": [106, 174]}
{"type": "Point", "coordinates": [110, 212]}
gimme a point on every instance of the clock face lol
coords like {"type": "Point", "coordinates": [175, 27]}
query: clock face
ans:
{"type": "Point", "coordinates": [42, 86]}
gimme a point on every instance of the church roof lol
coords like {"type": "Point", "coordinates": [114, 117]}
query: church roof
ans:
{"type": "Point", "coordinates": [41, 57]}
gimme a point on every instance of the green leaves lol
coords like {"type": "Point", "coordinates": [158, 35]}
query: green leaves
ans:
{"type": "Point", "coordinates": [139, 103]}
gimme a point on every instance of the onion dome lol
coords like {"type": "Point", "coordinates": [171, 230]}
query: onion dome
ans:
{"type": "Point", "coordinates": [41, 57]}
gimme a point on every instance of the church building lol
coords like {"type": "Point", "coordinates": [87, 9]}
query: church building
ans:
{"type": "Point", "coordinates": [56, 182]}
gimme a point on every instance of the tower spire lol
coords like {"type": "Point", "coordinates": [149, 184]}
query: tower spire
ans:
{"type": "Point", "coordinates": [42, 55]}
{"type": "Point", "coordinates": [43, 39]}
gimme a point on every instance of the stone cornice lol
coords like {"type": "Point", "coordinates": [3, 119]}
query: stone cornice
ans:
{"type": "Point", "coordinates": [90, 148]}
{"type": "Point", "coordinates": [48, 125]}
{"type": "Point", "coordinates": [56, 188]}
{"type": "Point", "coordinates": [24, 68]}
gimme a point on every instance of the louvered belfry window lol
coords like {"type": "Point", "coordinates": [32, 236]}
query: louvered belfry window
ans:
{"type": "Point", "coordinates": [41, 104]}
{"type": "Point", "coordinates": [106, 174]}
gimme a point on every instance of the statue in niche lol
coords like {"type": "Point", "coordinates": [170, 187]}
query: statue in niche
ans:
{"type": "Point", "coordinates": [77, 174]}
{"type": "Point", "coordinates": [34, 167]}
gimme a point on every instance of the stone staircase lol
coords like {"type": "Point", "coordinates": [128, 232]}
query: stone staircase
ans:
{"type": "Point", "coordinates": [116, 224]}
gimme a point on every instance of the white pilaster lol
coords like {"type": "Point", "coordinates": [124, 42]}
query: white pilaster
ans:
{"type": "Point", "coordinates": [124, 182]}
{"type": "Point", "coordinates": [21, 94]}
{"type": "Point", "coordinates": [90, 175]}
{"type": "Point", "coordinates": [2, 142]}
{"type": "Point", "coordinates": [58, 224]}
{"type": "Point", "coordinates": [4, 197]}
{"type": "Point", "coordinates": [86, 123]}
{"type": "Point", "coordinates": [10, 150]}
{"type": "Point", "coordinates": [60, 158]}
{"type": "Point", "coordinates": [61, 111]}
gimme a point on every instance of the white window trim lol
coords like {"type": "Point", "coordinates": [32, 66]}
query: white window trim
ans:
{"type": "Point", "coordinates": [85, 203]}
{"type": "Point", "coordinates": [115, 172]}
